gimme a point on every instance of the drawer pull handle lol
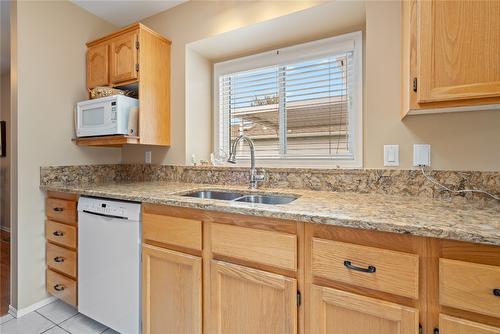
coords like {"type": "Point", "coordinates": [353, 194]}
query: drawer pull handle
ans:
{"type": "Point", "coordinates": [58, 209]}
{"type": "Point", "coordinates": [59, 287]}
{"type": "Point", "coordinates": [59, 259]}
{"type": "Point", "coordinates": [58, 233]}
{"type": "Point", "coordinates": [349, 265]}
{"type": "Point", "coordinates": [496, 292]}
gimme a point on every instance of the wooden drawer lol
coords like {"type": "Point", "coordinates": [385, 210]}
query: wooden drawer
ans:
{"type": "Point", "coordinates": [469, 286]}
{"type": "Point", "coordinates": [391, 271]}
{"type": "Point", "coordinates": [61, 234]}
{"type": "Point", "coordinates": [172, 230]}
{"type": "Point", "coordinates": [62, 287]}
{"type": "Point", "coordinates": [61, 259]}
{"type": "Point", "coordinates": [272, 248]}
{"type": "Point", "coordinates": [61, 210]}
{"type": "Point", "coordinates": [452, 325]}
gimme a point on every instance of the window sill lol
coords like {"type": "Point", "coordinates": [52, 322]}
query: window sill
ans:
{"type": "Point", "coordinates": [298, 163]}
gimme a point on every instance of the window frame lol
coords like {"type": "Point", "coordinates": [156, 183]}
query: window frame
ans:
{"type": "Point", "coordinates": [292, 54]}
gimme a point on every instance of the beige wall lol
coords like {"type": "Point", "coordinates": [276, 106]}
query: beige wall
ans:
{"type": "Point", "coordinates": [5, 162]}
{"type": "Point", "coordinates": [51, 38]}
{"type": "Point", "coordinates": [460, 141]}
{"type": "Point", "coordinates": [190, 22]}
{"type": "Point", "coordinates": [198, 105]}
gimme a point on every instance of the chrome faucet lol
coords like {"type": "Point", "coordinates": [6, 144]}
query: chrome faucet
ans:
{"type": "Point", "coordinates": [254, 177]}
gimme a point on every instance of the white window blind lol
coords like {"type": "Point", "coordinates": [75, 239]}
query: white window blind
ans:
{"type": "Point", "coordinates": [296, 110]}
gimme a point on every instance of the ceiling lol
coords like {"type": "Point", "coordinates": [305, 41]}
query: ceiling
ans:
{"type": "Point", "coordinates": [125, 12]}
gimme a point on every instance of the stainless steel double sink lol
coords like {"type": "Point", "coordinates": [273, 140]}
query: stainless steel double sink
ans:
{"type": "Point", "coordinates": [242, 197]}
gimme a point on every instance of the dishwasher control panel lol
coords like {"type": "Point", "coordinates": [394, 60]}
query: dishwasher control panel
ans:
{"type": "Point", "coordinates": [108, 207]}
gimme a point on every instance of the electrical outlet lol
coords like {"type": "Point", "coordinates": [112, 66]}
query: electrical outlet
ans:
{"type": "Point", "coordinates": [421, 155]}
{"type": "Point", "coordinates": [147, 157]}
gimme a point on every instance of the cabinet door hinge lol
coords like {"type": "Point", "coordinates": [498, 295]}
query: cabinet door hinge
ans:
{"type": "Point", "coordinates": [137, 45]}
{"type": "Point", "coordinates": [415, 84]}
{"type": "Point", "coordinates": [299, 298]}
{"type": "Point", "coordinates": [137, 67]}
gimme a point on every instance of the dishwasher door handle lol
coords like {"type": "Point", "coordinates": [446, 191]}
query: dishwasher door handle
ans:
{"type": "Point", "coordinates": [104, 215]}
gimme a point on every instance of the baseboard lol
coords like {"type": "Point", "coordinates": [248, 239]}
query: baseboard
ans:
{"type": "Point", "coordinates": [22, 312]}
{"type": "Point", "coordinates": [5, 229]}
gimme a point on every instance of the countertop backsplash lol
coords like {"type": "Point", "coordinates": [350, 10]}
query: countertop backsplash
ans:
{"type": "Point", "coordinates": [378, 181]}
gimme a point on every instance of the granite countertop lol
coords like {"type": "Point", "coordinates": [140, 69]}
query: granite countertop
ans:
{"type": "Point", "coordinates": [473, 222]}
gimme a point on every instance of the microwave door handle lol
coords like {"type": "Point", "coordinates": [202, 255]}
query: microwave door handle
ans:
{"type": "Point", "coordinates": [108, 111]}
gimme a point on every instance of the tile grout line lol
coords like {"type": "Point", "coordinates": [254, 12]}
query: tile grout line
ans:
{"type": "Point", "coordinates": [36, 311]}
{"type": "Point", "coordinates": [52, 322]}
{"type": "Point", "coordinates": [77, 313]}
{"type": "Point", "coordinates": [48, 329]}
{"type": "Point", "coordinates": [64, 329]}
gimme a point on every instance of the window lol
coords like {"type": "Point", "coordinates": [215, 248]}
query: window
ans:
{"type": "Point", "coordinates": [301, 105]}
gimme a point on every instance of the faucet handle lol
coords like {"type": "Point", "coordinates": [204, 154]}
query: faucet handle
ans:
{"type": "Point", "coordinates": [261, 176]}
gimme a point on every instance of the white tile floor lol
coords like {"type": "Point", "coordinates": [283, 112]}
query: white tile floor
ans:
{"type": "Point", "coordinates": [54, 318]}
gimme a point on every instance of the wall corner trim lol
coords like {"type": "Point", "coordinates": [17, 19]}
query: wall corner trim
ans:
{"type": "Point", "coordinates": [33, 307]}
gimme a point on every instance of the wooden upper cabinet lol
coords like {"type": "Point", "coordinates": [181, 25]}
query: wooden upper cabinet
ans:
{"type": "Point", "coordinates": [334, 311]}
{"type": "Point", "coordinates": [138, 57]}
{"type": "Point", "coordinates": [123, 60]}
{"type": "Point", "coordinates": [171, 291]}
{"type": "Point", "coordinates": [97, 65]}
{"type": "Point", "coordinates": [458, 50]}
{"type": "Point", "coordinates": [450, 55]}
{"type": "Point", "coordinates": [246, 300]}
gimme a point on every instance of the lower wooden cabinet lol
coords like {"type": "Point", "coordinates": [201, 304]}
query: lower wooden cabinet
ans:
{"type": "Point", "coordinates": [218, 273]}
{"type": "Point", "coordinates": [61, 231]}
{"type": "Point", "coordinates": [172, 296]}
{"type": "Point", "coordinates": [452, 325]}
{"type": "Point", "coordinates": [469, 286]}
{"type": "Point", "coordinates": [246, 300]}
{"type": "Point", "coordinates": [338, 312]}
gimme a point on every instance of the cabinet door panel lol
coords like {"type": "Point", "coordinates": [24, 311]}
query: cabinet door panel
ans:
{"type": "Point", "coordinates": [452, 325]}
{"type": "Point", "coordinates": [339, 312]}
{"type": "Point", "coordinates": [245, 300]}
{"type": "Point", "coordinates": [97, 66]}
{"type": "Point", "coordinates": [123, 58]}
{"type": "Point", "coordinates": [458, 50]}
{"type": "Point", "coordinates": [171, 291]}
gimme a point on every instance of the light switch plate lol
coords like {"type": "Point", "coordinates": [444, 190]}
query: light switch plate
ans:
{"type": "Point", "coordinates": [391, 155]}
{"type": "Point", "coordinates": [421, 155]}
{"type": "Point", "coordinates": [147, 157]}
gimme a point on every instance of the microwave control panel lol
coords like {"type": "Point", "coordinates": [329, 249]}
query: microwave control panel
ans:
{"type": "Point", "coordinates": [113, 111]}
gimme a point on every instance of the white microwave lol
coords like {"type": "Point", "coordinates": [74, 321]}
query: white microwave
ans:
{"type": "Point", "coordinates": [104, 116]}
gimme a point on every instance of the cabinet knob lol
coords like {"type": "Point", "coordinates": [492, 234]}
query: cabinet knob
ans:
{"type": "Point", "coordinates": [58, 209]}
{"type": "Point", "coordinates": [59, 287]}
{"type": "Point", "coordinates": [349, 265]}
{"type": "Point", "coordinates": [58, 233]}
{"type": "Point", "coordinates": [496, 292]}
{"type": "Point", "coordinates": [59, 259]}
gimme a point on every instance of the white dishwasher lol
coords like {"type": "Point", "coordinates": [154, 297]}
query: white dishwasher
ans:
{"type": "Point", "coordinates": [109, 261]}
